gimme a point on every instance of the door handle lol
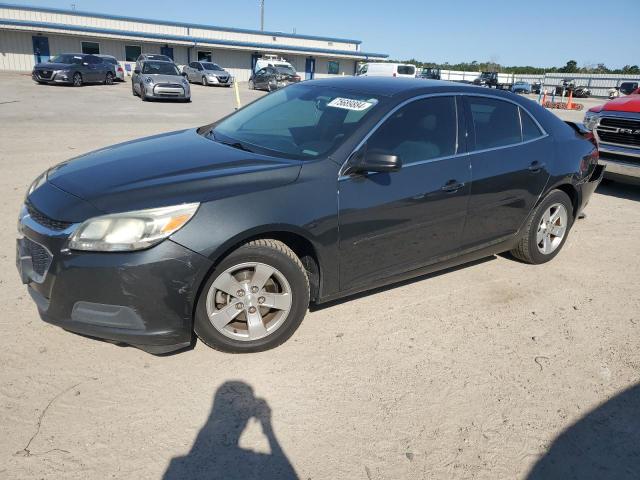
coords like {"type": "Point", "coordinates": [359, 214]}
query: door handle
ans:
{"type": "Point", "coordinates": [452, 186]}
{"type": "Point", "coordinates": [536, 166]}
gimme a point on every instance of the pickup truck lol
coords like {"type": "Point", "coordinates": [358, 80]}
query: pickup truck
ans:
{"type": "Point", "coordinates": [616, 128]}
{"type": "Point", "coordinates": [502, 81]}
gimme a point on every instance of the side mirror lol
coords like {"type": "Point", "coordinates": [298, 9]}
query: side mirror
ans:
{"type": "Point", "coordinates": [375, 161]}
{"type": "Point", "coordinates": [136, 71]}
{"type": "Point", "coordinates": [85, 63]}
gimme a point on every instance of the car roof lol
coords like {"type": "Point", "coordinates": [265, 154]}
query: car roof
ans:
{"type": "Point", "coordinates": [389, 86]}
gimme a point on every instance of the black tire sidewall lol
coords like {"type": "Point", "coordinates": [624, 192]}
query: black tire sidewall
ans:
{"type": "Point", "coordinates": [557, 196]}
{"type": "Point", "coordinates": [300, 301]}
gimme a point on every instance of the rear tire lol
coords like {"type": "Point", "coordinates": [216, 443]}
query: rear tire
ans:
{"type": "Point", "coordinates": [258, 273]}
{"type": "Point", "coordinates": [108, 79]}
{"type": "Point", "coordinates": [546, 230]}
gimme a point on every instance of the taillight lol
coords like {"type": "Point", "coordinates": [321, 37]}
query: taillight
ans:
{"type": "Point", "coordinates": [589, 160]}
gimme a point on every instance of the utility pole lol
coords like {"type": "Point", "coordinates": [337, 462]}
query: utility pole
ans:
{"type": "Point", "coordinates": [262, 15]}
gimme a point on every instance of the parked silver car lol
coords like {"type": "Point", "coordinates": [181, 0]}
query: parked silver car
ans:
{"type": "Point", "coordinates": [155, 79]}
{"type": "Point", "coordinates": [207, 73]}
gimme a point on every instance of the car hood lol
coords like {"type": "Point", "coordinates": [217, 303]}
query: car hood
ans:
{"type": "Point", "coordinates": [163, 78]}
{"type": "Point", "coordinates": [51, 66]}
{"type": "Point", "coordinates": [630, 103]}
{"type": "Point", "coordinates": [168, 169]}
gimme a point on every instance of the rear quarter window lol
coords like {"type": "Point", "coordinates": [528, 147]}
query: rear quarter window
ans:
{"type": "Point", "coordinates": [530, 130]}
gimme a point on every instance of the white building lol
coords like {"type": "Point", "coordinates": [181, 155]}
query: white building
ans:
{"type": "Point", "coordinates": [32, 34]}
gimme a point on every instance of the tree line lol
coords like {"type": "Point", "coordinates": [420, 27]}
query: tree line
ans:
{"type": "Point", "coordinates": [570, 67]}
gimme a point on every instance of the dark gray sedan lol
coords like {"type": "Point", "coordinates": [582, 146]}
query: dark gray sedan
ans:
{"type": "Point", "coordinates": [75, 69]}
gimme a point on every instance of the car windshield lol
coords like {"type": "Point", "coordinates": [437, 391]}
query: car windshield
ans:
{"type": "Point", "coordinates": [159, 68]}
{"type": "Point", "coordinates": [162, 58]}
{"type": "Point", "coordinates": [110, 60]}
{"type": "Point", "coordinates": [68, 59]}
{"type": "Point", "coordinates": [299, 121]}
{"type": "Point", "coordinates": [211, 66]}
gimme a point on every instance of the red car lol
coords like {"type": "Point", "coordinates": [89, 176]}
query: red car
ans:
{"type": "Point", "coordinates": [616, 127]}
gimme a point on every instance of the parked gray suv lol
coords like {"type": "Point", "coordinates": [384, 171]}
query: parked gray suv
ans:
{"type": "Point", "coordinates": [155, 79]}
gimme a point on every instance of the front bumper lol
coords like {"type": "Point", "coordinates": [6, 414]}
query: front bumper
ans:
{"type": "Point", "coordinates": [144, 298]}
{"type": "Point", "coordinates": [51, 76]}
{"type": "Point", "coordinates": [215, 80]}
{"type": "Point", "coordinates": [620, 160]}
{"type": "Point", "coordinates": [178, 91]}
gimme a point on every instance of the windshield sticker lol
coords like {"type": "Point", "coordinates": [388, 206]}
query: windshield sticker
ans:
{"type": "Point", "coordinates": [350, 104]}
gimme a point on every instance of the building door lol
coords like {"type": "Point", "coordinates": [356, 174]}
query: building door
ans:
{"type": "Point", "coordinates": [40, 49]}
{"type": "Point", "coordinates": [309, 68]}
{"type": "Point", "coordinates": [254, 60]}
{"type": "Point", "coordinates": [168, 51]}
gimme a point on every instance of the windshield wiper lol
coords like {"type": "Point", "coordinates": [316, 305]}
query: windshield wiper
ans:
{"type": "Point", "coordinates": [235, 144]}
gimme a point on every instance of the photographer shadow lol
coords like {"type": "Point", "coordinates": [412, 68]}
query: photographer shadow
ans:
{"type": "Point", "coordinates": [216, 453]}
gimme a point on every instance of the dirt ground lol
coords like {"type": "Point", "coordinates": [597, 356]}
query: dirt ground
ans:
{"type": "Point", "coordinates": [495, 370]}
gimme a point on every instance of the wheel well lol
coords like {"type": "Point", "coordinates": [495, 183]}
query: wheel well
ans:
{"type": "Point", "coordinates": [573, 196]}
{"type": "Point", "coordinates": [302, 247]}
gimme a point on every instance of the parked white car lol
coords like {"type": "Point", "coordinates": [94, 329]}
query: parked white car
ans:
{"type": "Point", "coordinates": [207, 73]}
{"type": "Point", "coordinates": [117, 68]}
{"type": "Point", "coordinates": [381, 69]}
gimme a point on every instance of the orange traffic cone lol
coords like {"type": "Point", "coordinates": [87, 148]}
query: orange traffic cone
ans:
{"type": "Point", "coordinates": [544, 98]}
{"type": "Point", "coordinates": [570, 101]}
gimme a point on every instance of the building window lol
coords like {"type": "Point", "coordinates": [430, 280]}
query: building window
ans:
{"type": "Point", "coordinates": [90, 48]}
{"type": "Point", "coordinates": [330, 44]}
{"type": "Point", "coordinates": [204, 56]}
{"type": "Point", "coordinates": [333, 67]}
{"type": "Point", "coordinates": [132, 52]}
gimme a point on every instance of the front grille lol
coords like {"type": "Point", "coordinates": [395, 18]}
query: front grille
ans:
{"type": "Point", "coordinates": [622, 131]}
{"type": "Point", "coordinates": [223, 79]}
{"type": "Point", "coordinates": [169, 85]}
{"type": "Point", "coordinates": [45, 221]}
{"type": "Point", "coordinates": [40, 258]}
{"type": "Point", "coordinates": [620, 122]}
{"type": "Point", "coordinates": [44, 74]}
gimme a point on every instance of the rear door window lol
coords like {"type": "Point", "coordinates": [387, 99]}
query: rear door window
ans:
{"type": "Point", "coordinates": [530, 130]}
{"type": "Point", "coordinates": [496, 123]}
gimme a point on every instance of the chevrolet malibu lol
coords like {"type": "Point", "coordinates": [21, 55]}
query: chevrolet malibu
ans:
{"type": "Point", "coordinates": [314, 192]}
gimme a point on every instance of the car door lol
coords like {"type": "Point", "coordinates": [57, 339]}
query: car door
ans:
{"type": "Point", "coordinates": [191, 71]}
{"type": "Point", "coordinates": [509, 154]}
{"type": "Point", "coordinates": [259, 78]}
{"type": "Point", "coordinates": [93, 69]}
{"type": "Point", "coordinates": [398, 221]}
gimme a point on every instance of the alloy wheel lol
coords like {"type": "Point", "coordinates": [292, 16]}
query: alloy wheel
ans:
{"type": "Point", "coordinates": [108, 79]}
{"type": "Point", "coordinates": [552, 228]}
{"type": "Point", "coordinates": [249, 301]}
{"type": "Point", "coordinates": [77, 80]}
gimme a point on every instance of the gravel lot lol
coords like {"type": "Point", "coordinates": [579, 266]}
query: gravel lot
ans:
{"type": "Point", "coordinates": [494, 370]}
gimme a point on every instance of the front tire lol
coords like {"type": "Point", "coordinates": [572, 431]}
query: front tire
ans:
{"type": "Point", "coordinates": [254, 300]}
{"type": "Point", "coordinates": [252, 86]}
{"type": "Point", "coordinates": [546, 229]}
{"type": "Point", "coordinates": [143, 94]}
{"type": "Point", "coordinates": [77, 79]}
{"type": "Point", "coordinates": [205, 82]}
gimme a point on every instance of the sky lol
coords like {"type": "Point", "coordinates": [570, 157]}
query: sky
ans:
{"type": "Point", "coordinates": [541, 33]}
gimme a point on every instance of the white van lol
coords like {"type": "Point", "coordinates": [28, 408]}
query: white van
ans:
{"type": "Point", "coordinates": [271, 61]}
{"type": "Point", "coordinates": [387, 70]}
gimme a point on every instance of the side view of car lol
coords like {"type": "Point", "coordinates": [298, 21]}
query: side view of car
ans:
{"type": "Point", "coordinates": [521, 87]}
{"type": "Point", "coordinates": [385, 69]}
{"type": "Point", "coordinates": [317, 191]}
{"type": "Point", "coordinates": [118, 71]}
{"type": "Point", "coordinates": [207, 73]}
{"type": "Point", "coordinates": [74, 69]}
{"type": "Point", "coordinates": [154, 79]}
{"type": "Point", "coordinates": [273, 78]}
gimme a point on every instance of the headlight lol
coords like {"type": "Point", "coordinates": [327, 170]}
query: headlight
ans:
{"type": "Point", "coordinates": [185, 81]}
{"type": "Point", "coordinates": [590, 120]}
{"type": "Point", "coordinates": [37, 183]}
{"type": "Point", "coordinates": [131, 230]}
{"type": "Point", "coordinates": [148, 79]}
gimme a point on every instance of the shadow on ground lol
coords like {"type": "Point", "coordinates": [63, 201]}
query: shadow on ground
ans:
{"type": "Point", "coordinates": [626, 191]}
{"type": "Point", "coordinates": [604, 444]}
{"type": "Point", "coordinates": [216, 453]}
